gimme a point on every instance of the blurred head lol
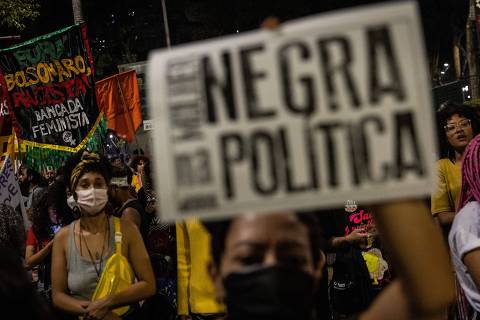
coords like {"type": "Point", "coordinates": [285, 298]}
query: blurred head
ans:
{"type": "Point", "coordinates": [28, 178]}
{"type": "Point", "coordinates": [51, 175]}
{"type": "Point", "coordinates": [52, 210]}
{"type": "Point", "coordinates": [119, 190]}
{"type": "Point", "coordinates": [459, 124]}
{"type": "Point", "coordinates": [89, 179]}
{"type": "Point", "coordinates": [267, 265]}
{"type": "Point", "coordinates": [138, 164]}
{"type": "Point", "coordinates": [117, 162]}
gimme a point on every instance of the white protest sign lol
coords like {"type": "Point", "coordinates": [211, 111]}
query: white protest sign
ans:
{"type": "Point", "coordinates": [325, 109]}
{"type": "Point", "coordinates": [10, 193]}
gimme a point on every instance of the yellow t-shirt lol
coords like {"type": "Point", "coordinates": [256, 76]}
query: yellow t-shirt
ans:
{"type": "Point", "coordinates": [136, 182]}
{"type": "Point", "coordinates": [447, 189]}
{"type": "Point", "coordinates": [196, 292]}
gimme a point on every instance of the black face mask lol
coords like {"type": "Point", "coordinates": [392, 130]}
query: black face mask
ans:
{"type": "Point", "coordinates": [270, 293]}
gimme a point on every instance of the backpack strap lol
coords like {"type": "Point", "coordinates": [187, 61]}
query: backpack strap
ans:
{"type": "Point", "coordinates": [118, 235]}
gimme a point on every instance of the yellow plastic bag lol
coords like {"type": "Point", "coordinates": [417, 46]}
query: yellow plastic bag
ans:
{"type": "Point", "coordinates": [117, 275]}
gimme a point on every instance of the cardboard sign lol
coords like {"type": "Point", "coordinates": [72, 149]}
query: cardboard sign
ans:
{"type": "Point", "coordinates": [325, 109]}
{"type": "Point", "coordinates": [50, 89]}
{"type": "Point", "coordinates": [10, 193]}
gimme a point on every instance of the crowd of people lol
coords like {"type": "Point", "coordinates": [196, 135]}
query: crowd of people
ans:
{"type": "Point", "coordinates": [350, 263]}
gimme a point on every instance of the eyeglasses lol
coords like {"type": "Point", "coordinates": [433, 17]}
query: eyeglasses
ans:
{"type": "Point", "coordinates": [462, 124]}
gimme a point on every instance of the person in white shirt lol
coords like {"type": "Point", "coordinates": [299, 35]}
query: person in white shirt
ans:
{"type": "Point", "coordinates": [464, 237]}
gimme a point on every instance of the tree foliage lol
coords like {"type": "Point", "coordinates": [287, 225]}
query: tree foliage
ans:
{"type": "Point", "coordinates": [14, 13]}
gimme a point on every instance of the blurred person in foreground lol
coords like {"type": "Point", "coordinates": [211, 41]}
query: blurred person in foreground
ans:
{"type": "Point", "coordinates": [464, 237]}
{"type": "Point", "coordinates": [50, 175]}
{"type": "Point", "coordinates": [81, 250]}
{"type": "Point", "coordinates": [18, 299]}
{"type": "Point", "coordinates": [267, 266]}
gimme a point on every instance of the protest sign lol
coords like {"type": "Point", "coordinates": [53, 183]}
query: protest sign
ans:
{"type": "Point", "coordinates": [325, 109]}
{"type": "Point", "coordinates": [10, 193]}
{"type": "Point", "coordinates": [51, 91]}
{"type": "Point", "coordinates": [6, 137]}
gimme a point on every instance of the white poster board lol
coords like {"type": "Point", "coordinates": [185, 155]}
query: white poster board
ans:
{"type": "Point", "coordinates": [10, 193]}
{"type": "Point", "coordinates": [325, 109]}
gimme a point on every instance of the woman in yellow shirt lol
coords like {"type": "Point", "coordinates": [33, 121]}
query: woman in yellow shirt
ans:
{"type": "Point", "coordinates": [137, 165]}
{"type": "Point", "coordinates": [460, 124]}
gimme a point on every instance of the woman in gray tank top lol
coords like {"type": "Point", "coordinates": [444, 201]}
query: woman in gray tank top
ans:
{"type": "Point", "coordinates": [81, 250]}
{"type": "Point", "coordinates": [82, 275]}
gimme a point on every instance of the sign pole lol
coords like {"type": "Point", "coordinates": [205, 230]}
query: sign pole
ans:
{"type": "Point", "coordinates": [165, 22]}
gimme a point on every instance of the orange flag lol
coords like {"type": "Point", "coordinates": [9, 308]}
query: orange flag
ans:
{"type": "Point", "coordinates": [118, 97]}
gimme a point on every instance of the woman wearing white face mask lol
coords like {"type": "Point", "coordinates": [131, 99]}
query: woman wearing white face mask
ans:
{"type": "Point", "coordinates": [80, 250]}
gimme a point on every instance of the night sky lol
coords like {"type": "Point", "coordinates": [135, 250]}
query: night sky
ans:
{"type": "Point", "coordinates": [138, 24]}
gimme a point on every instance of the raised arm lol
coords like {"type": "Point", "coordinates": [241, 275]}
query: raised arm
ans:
{"type": "Point", "coordinates": [425, 286]}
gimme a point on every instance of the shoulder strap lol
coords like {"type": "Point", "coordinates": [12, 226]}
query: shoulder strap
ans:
{"type": "Point", "coordinates": [118, 235]}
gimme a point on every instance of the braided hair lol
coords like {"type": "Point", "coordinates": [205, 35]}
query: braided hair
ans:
{"type": "Point", "coordinates": [471, 173]}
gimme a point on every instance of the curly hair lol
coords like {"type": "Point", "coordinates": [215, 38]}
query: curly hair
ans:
{"type": "Point", "coordinates": [136, 161]}
{"type": "Point", "coordinates": [55, 196]}
{"type": "Point", "coordinates": [444, 113]}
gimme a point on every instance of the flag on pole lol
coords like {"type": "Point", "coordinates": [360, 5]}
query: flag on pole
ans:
{"type": "Point", "coordinates": [119, 99]}
{"type": "Point", "coordinates": [49, 83]}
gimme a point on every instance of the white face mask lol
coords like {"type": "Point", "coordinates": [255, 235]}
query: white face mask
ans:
{"type": "Point", "coordinates": [71, 203]}
{"type": "Point", "coordinates": [92, 201]}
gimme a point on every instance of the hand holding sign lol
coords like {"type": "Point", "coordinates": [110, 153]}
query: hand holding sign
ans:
{"type": "Point", "coordinates": [357, 236]}
{"type": "Point", "coordinates": [330, 107]}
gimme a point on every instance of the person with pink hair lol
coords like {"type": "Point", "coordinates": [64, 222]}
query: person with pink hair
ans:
{"type": "Point", "coordinates": [464, 237]}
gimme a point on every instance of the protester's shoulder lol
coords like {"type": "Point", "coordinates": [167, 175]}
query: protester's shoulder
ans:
{"type": "Point", "coordinates": [63, 234]}
{"type": "Point", "coordinates": [39, 190]}
{"type": "Point", "coordinates": [127, 227]}
{"type": "Point", "coordinates": [445, 164]}
{"type": "Point", "coordinates": [471, 209]}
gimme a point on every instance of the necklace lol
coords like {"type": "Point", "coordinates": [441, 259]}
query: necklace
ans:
{"type": "Point", "coordinates": [97, 267]}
